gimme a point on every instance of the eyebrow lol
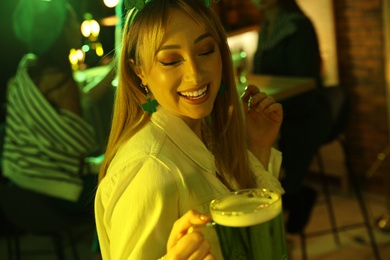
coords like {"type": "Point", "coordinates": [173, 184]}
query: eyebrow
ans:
{"type": "Point", "coordinates": [176, 46]}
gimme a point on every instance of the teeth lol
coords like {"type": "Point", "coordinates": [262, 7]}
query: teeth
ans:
{"type": "Point", "coordinates": [194, 94]}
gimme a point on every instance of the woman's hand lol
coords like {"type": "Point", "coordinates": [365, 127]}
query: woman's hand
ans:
{"type": "Point", "coordinates": [188, 245]}
{"type": "Point", "coordinates": [263, 119]}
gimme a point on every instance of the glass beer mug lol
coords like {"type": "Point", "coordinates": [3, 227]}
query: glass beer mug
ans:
{"type": "Point", "coordinates": [250, 225]}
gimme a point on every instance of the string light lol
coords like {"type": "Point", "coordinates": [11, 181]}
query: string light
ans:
{"type": "Point", "coordinates": [90, 27]}
{"type": "Point", "coordinates": [111, 3]}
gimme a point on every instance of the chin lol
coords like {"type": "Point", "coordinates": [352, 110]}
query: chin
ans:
{"type": "Point", "coordinates": [202, 113]}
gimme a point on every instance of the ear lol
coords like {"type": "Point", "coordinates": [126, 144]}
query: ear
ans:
{"type": "Point", "coordinates": [139, 71]}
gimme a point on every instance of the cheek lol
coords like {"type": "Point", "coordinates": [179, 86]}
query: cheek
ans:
{"type": "Point", "coordinates": [216, 66]}
{"type": "Point", "coordinates": [164, 82]}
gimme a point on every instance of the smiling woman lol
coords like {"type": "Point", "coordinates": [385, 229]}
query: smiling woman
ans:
{"type": "Point", "coordinates": [168, 165]}
{"type": "Point", "coordinates": [187, 75]}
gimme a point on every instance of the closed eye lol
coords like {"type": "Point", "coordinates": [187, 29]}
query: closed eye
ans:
{"type": "Point", "coordinates": [172, 63]}
{"type": "Point", "coordinates": [169, 63]}
{"type": "Point", "coordinates": [208, 52]}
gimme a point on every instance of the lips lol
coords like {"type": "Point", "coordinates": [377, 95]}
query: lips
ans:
{"type": "Point", "coordinates": [197, 94]}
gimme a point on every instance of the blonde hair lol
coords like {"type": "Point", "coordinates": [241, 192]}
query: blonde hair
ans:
{"type": "Point", "coordinates": [140, 41]}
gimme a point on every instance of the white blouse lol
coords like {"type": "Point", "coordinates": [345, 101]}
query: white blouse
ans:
{"type": "Point", "coordinates": [155, 178]}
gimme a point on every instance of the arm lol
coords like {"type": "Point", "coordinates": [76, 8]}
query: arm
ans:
{"type": "Point", "coordinates": [136, 210]}
{"type": "Point", "coordinates": [66, 97]}
{"type": "Point", "coordinates": [267, 178]}
{"type": "Point", "coordinates": [99, 87]}
{"type": "Point", "coordinates": [185, 244]}
{"type": "Point", "coordinates": [263, 119]}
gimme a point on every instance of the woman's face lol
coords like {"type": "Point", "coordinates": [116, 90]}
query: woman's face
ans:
{"type": "Point", "coordinates": [187, 73]}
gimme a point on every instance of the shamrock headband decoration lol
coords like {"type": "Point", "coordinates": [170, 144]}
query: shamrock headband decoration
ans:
{"type": "Point", "coordinates": [140, 4]}
{"type": "Point", "coordinates": [137, 4]}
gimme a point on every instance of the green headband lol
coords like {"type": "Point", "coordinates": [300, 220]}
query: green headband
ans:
{"type": "Point", "coordinates": [137, 4]}
{"type": "Point", "coordinates": [140, 4]}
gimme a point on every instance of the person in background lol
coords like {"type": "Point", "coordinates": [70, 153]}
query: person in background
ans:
{"type": "Point", "coordinates": [288, 46]}
{"type": "Point", "coordinates": [47, 139]}
{"type": "Point", "coordinates": [180, 136]}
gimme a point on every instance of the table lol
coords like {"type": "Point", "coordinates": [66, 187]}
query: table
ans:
{"type": "Point", "coordinates": [280, 87]}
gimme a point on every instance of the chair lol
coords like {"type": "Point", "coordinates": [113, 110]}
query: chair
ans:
{"type": "Point", "coordinates": [340, 113]}
{"type": "Point", "coordinates": [31, 212]}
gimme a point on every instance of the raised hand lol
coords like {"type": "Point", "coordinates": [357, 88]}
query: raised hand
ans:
{"type": "Point", "coordinates": [263, 118]}
{"type": "Point", "coordinates": [188, 245]}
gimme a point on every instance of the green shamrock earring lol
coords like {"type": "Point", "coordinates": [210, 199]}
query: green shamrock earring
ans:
{"type": "Point", "coordinates": [150, 105]}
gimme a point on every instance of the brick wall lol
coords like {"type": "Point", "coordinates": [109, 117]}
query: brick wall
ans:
{"type": "Point", "coordinates": [359, 30]}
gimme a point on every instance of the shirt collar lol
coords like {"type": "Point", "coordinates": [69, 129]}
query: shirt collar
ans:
{"type": "Point", "coordinates": [182, 135]}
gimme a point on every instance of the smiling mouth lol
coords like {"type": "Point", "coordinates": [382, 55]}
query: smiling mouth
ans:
{"type": "Point", "coordinates": [195, 94]}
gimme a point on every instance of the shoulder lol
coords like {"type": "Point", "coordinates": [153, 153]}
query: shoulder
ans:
{"type": "Point", "coordinates": [142, 166]}
{"type": "Point", "coordinates": [304, 34]}
{"type": "Point", "coordinates": [303, 23]}
{"type": "Point", "coordinates": [141, 150]}
{"type": "Point", "coordinates": [142, 177]}
{"type": "Point", "coordinates": [147, 141]}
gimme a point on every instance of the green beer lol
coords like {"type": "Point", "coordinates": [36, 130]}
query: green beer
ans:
{"type": "Point", "coordinates": [250, 225]}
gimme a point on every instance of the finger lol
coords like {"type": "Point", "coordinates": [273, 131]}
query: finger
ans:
{"type": "Point", "coordinates": [200, 227]}
{"type": "Point", "coordinates": [201, 252]}
{"type": "Point", "coordinates": [186, 246]}
{"type": "Point", "coordinates": [181, 226]}
{"type": "Point", "coordinates": [249, 92]}
{"type": "Point", "coordinates": [264, 103]}
{"type": "Point", "coordinates": [209, 257]}
{"type": "Point", "coordinates": [258, 99]}
{"type": "Point", "coordinates": [276, 107]}
{"type": "Point", "coordinates": [274, 112]}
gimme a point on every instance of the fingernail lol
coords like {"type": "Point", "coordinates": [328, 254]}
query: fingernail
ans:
{"type": "Point", "coordinates": [210, 224]}
{"type": "Point", "coordinates": [190, 230]}
{"type": "Point", "coordinates": [200, 227]}
{"type": "Point", "coordinates": [203, 217]}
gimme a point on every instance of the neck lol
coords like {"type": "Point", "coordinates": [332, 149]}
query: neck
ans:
{"type": "Point", "coordinates": [270, 16]}
{"type": "Point", "coordinates": [271, 13]}
{"type": "Point", "coordinates": [196, 126]}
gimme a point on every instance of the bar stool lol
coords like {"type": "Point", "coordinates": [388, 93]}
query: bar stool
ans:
{"type": "Point", "coordinates": [340, 108]}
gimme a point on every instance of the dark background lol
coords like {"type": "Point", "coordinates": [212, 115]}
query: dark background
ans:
{"type": "Point", "coordinates": [11, 50]}
{"type": "Point", "coordinates": [359, 29]}
{"type": "Point", "coordinates": [234, 14]}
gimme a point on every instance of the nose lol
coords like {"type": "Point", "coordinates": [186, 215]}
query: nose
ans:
{"type": "Point", "coordinates": [192, 72]}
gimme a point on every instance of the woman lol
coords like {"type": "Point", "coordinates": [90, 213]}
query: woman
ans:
{"type": "Point", "coordinates": [288, 46]}
{"type": "Point", "coordinates": [47, 137]}
{"type": "Point", "coordinates": [178, 137]}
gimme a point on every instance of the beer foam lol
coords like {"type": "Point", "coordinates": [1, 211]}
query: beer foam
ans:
{"type": "Point", "coordinates": [238, 211]}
